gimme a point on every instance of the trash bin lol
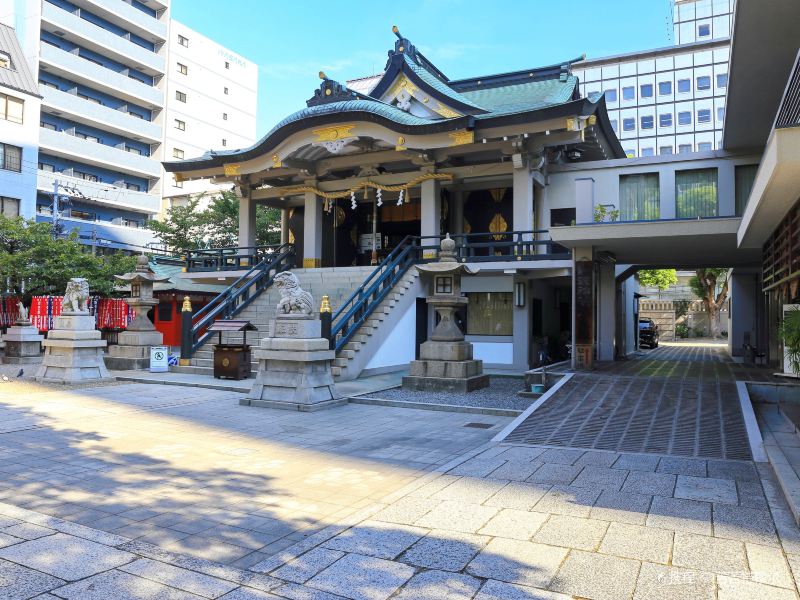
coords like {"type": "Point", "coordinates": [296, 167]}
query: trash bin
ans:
{"type": "Point", "coordinates": [232, 361]}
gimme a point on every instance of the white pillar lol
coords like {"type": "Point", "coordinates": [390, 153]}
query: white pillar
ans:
{"type": "Point", "coordinates": [312, 232]}
{"type": "Point", "coordinates": [431, 214]}
{"type": "Point", "coordinates": [584, 200]}
{"type": "Point", "coordinates": [606, 311]}
{"type": "Point", "coordinates": [247, 218]}
{"type": "Point", "coordinates": [284, 226]}
{"type": "Point", "coordinates": [523, 201]}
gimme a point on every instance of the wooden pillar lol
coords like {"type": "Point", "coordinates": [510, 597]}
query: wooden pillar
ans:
{"type": "Point", "coordinates": [247, 217]}
{"type": "Point", "coordinates": [312, 232]}
{"type": "Point", "coordinates": [284, 226]}
{"type": "Point", "coordinates": [523, 201]}
{"type": "Point", "coordinates": [431, 214]}
{"type": "Point", "coordinates": [457, 211]}
{"type": "Point", "coordinates": [582, 308]}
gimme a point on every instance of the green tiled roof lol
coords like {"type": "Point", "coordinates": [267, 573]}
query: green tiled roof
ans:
{"type": "Point", "coordinates": [438, 84]}
{"type": "Point", "coordinates": [523, 96]}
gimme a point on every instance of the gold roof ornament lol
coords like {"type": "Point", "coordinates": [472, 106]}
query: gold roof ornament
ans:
{"type": "Point", "coordinates": [187, 304]}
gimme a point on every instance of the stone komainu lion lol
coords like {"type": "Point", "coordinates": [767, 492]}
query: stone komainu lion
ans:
{"type": "Point", "coordinates": [294, 299]}
{"type": "Point", "coordinates": [76, 296]}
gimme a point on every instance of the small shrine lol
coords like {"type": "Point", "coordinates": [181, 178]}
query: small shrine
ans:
{"type": "Point", "coordinates": [133, 348]}
{"type": "Point", "coordinates": [445, 360]}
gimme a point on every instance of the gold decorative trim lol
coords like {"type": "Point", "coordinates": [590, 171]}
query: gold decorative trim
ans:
{"type": "Point", "coordinates": [401, 143]}
{"type": "Point", "coordinates": [276, 161]}
{"type": "Point", "coordinates": [232, 170]}
{"type": "Point", "coordinates": [462, 137]}
{"type": "Point", "coordinates": [331, 134]}
{"type": "Point", "coordinates": [311, 263]}
{"type": "Point", "coordinates": [178, 177]}
{"type": "Point", "coordinates": [363, 186]}
{"type": "Point", "coordinates": [446, 111]}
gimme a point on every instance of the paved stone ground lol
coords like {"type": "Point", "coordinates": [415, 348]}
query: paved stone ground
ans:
{"type": "Point", "coordinates": [192, 471]}
{"type": "Point", "coordinates": [679, 399]}
{"type": "Point", "coordinates": [504, 522]}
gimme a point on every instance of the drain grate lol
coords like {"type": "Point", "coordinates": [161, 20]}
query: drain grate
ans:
{"type": "Point", "coordinates": [480, 425]}
{"type": "Point", "coordinates": [659, 415]}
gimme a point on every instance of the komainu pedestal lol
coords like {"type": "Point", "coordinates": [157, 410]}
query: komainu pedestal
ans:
{"type": "Point", "coordinates": [73, 348]}
{"type": "Point", "coordinates": [73, 351]}
{"type": "Point", "coordinates": [294, 361]}
{"type": "Point", "coordinates": [23, 343]}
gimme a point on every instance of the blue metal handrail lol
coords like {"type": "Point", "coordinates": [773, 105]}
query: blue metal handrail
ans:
{"type": "Point", "coordinates": [237, 296]}
{"type": "Point", "coordinates": [228, 258]}
{"type": "Point", "coordinates": [470, 247]}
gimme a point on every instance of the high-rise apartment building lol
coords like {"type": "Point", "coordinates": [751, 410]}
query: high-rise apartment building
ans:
{"type": "Point", "coordinates": [669, 100]}
{"type": "Point", "coordinates": [100, 67]}
{"type": "Point", "coordinates": [211, 103]}
{"type": "Point", "coordinates": [19, 128]}
{"type": "Point", "coordinates": [124, 87]}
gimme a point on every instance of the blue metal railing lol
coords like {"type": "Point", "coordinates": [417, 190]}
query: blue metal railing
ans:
{"type": "Point", "coordinates": [241, 293]}
{"type": "Point", "coordinates": [230, 258]}
{"type": "Point", "coordinates": [470, 247]}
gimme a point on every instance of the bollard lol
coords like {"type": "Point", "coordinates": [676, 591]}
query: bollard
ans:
{"type": "Point", "coordinates": [186, 332]}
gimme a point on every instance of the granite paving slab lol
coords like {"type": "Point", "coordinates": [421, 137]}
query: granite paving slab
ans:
{"type": "Point", "coordinates": [438, 585]}
{"type": "Point", "coordinates": [596, 576]}
{"type": "Point", "coordinates": [514, 561]}
{"type": "Point", "coordinates": [445, 550]}
{"type": "Point", "coordinates": [120, 586]}
{"type": "Point", "coordinates": [19, 583]}
{"type": "Point", "coordinates": [66, 557]}
{"type": "Point", "coordinates": [362, 577]}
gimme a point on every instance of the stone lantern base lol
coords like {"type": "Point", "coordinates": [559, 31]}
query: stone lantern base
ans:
{"type": "Point", "coordinates": [23, 344]}
{"type": "Point", "coordinates": [446, 367]}
{"type": "Point", "coordinates": [132, 350]}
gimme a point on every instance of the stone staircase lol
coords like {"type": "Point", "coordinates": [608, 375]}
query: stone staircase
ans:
{"type": "Point", "coordinates": [337, 283]}
{"type": "Point", "coordinates": [350, 360]}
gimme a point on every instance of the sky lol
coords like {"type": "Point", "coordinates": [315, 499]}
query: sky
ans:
{"type": "Point", "coordinates": [292, 40]}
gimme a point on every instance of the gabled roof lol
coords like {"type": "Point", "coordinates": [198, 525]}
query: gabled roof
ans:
{"type": "Point", "coordinates": [19, 77]}
{"type": "Point", "coordinates": [515, 97]}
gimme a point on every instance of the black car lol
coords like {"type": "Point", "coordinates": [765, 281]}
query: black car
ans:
{"type": "Point", "coordinates": [648, 333]}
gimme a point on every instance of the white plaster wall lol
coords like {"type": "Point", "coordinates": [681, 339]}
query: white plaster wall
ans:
{"type": "Point", "coordinates": [22, 185]}
{"type": "Point", "coordinates": [397, 348]}
{"type": "Point", "coordinates": [494, 353]}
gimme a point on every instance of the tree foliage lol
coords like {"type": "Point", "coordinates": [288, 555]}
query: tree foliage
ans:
{"type": "Point", "coordinates": [658, 278]}
{"type": "Point", "coordinates": [188, 227]}
{"type": "Point", "coordinates": [33, 263]}
{"type": "Point", "coordinates": [711, 286]}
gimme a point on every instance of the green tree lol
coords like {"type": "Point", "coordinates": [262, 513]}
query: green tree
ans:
{"type": "Point", "coordinates": [222, 218]}
{"type": "Point", "coordinates": [34, 263]}
{"type": "Point", "coordinates": [711, 286]}
{"type": "Point", "coordinates": [184, 227]}
{"type": "Point", "coordinates": [658, 278]}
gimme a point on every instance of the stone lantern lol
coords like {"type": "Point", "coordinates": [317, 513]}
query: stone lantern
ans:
{"type": "Point", "coordinates": [445, 360]}
{"type": "Point", "coordinates": [133, 348]}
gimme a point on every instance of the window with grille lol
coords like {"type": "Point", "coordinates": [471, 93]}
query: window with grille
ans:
{"type": "Point", "coordinates": [10, 158]}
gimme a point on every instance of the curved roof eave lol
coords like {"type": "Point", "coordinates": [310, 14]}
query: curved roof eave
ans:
{"type": "Point", "coordinates": [369, 111]}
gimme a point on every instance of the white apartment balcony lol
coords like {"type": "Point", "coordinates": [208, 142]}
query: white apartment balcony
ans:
{"type": "Point", "coordinates": [124, 15]}
{"type": "Point", "coordinates": [89, 113]}
{"type": "Point", "coordinates": [100, 193]}
{"type": "Point", "coordinates": [80, 31]}
{"type": "Point", "coordinates": [77, 69]}
{"type": "Point", "coordinates": [61, 144]}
